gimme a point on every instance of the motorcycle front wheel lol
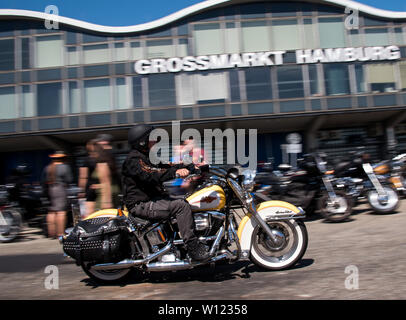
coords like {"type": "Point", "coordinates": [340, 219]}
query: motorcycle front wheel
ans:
{"type": "Point", "coordinates": [289, 248]}
{"type": "Point", "coordinates": [383, 205]}
{"type": "Point", "coordinates": [10, 224]}
{"type": "Point", "coordinates": [337, 211]}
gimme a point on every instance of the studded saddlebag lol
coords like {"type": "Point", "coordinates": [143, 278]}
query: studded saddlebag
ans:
{"type": "Point", "coordinates": [98, 240]}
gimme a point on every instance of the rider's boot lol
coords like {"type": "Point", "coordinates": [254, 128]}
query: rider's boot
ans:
{"type": "Point", "coordinates": [197, 250]}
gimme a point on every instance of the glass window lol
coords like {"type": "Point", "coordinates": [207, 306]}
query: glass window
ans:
{"type": "Point", "coordinates": [290, 82]}
{"type": "Point", "coordinates": [376, 37]}
{"type": "Point", "coordinates": [355, 38]}
{"type": "Point", "coordinates": [211, 87]}
{"type": "Point", "coordinates": [136, 51]}
{"type": "Point", "coordinates": [71, 37]}
{"type": "Point", "coordinates": [137, 92]}
{"type": "Point", "coordinates": [96, 53]}
{"type": "Point", "coordinates": [162, 90]}
{"type": "Point", "coordinates": [310, 38]}
{"type": "Point", "coordinates": [7, 54]}
{"type": "Point", "coordinates": [49, 99]}
{"type": "Point", "coordinates": [402, 67]}
{"type": "Point", "coordinates": [93, 38]}
{"type": "Point", "coordinates": [336, 79]}
{"type": "Point", "coordinates": [232, 38]}
{"type": "Point", "coordinates": [285, 35]}
{"type": "Point", "coordinates": [28, 106]}
{"type": "Point", "coordinates": [121, 94]}
{"type": "Point", "coordinates": [381, 77]}
{"type": "Point", "coordinates": [74, 97]}
{"type": "Point", "coordinates": [360, 79]}
{"type": "Point", "coordinates": [120, 52]}
{"type": "Point", "coordinates": [184, 89]}
{"type": "Point", "coordinates": [208, 39]}
{"type": "Point", "coordinates": [314, 80]}
{"type": "Point", "coordinates": [73, 56]}
{"type": "Point", "coordinates": [25, 53]}
{"type": "Point", "coordinates": [160, 49]}
{"type": "Point", "coordinates": [97, 95]}
{"type": "Point", "coordinates": [373, 22]}
{"type": "Point", "coordinates": [182, 48]}
{"type": "Point", "coordinates": [255, 36]}
{"type": "Point", "coordinates": [8, 108]}
{"type": "Point", "coordinates": [258, 83]}
{"type": "Point", "coordinates": [234, 85]}
{"type": "Point", "coordinates": [331, 32]}
{"type": "Point", "coordinates": [399, 37]}
{"type": "Point", "coordinates": [49, 51]}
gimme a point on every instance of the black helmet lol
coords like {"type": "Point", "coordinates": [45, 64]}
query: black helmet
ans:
{"type": "Point", "coordinates": [138, 136]}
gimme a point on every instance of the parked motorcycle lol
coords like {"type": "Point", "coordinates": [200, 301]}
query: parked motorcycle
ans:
{"type": "Point", "coordinates": [309, 186]}
{"type": "Point", "coordinates": [10, 216]}
{"type": "Point", "coordinates": [361, 180]}
{"type": "Point", "coordinates": [111, 243]}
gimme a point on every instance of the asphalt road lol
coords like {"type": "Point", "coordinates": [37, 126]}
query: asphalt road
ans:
{"type": "Point", "coordinates": [374, 244]}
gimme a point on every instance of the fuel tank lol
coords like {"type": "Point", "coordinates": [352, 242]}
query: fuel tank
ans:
{"type": "Point", "coordinates": [208, 198]}
{"type": "Point", "coordinates": [381, 169]}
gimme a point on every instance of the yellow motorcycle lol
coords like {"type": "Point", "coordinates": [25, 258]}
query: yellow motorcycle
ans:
{"type": "Point", "coordinates": [111, 243]}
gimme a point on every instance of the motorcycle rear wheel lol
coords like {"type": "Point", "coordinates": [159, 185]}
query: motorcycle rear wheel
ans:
{"type": "Point", "coordinates": [336, 214]}
{"type": "Point", "coordinates": [283, 255]}
{"type": "Point", "coordinates": [106, 277]}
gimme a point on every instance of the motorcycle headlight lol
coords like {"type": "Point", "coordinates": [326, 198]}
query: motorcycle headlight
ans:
{"type": "Point", "coordinates": [249, 179]}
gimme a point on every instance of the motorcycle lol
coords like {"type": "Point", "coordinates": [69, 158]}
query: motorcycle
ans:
{"type": "Point", "coordinates": [362, 180]}
{"type": "Point", "coordinates": [111, 243]}
{"type": "Point", "coordinates": [309, 186]}
{"type": "Point", "coordinates": [394, 171]}
{"type": "Point", "coordinates": [10, 216]}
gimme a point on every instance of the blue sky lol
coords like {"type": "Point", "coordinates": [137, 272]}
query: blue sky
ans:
{"type": "Point", "coordinates": [130, 12]}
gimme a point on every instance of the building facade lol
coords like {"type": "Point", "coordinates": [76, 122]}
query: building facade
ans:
{"type": "Point", "coordinates": [334, 75]}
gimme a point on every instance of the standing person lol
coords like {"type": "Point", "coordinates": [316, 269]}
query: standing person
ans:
{"type": "Point", "coordinates": [104, 140]}
{"type": "Point", "coordinates": [105, 173]}
{"type": "Point", "coordinates": [57, 176]}
{"type": "Point", "coordinates": [86, 180]}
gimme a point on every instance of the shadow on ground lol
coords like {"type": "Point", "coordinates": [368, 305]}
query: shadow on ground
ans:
{"type": "Point", "coordinates": [221, 272]}
{"type": "Point", "coordinates": [31, 262]}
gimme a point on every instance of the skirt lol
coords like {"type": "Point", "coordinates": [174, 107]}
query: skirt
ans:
{"type": "Point", "coordinates": [58, 198]}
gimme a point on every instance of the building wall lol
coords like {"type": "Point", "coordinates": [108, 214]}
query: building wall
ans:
{"type": "Point", "coordinates": [70, 79]}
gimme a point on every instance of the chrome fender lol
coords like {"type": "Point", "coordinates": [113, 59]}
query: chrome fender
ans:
{"type": "Point", "coordinates": [105, 213]}
{"type": "Point", "coordinates": [269, 210]}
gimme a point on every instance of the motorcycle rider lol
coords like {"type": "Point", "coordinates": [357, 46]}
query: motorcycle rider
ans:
{"type": "Point", "coordinates": [143, 194]}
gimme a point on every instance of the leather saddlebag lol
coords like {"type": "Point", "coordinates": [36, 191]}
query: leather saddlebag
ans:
{"type": "Point", "coordinates": [98, 240]}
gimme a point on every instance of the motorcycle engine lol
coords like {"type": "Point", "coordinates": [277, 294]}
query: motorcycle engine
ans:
{"type": "Point", "coordinates": [208, 223]}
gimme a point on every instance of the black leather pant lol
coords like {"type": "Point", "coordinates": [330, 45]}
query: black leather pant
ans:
{"type": "Point", "coordinates": [164, 208]}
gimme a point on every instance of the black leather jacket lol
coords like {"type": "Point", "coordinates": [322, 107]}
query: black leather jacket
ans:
{"type": "Point", "coordinates": [142, 180]}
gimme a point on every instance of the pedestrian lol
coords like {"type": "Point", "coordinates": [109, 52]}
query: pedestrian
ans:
{"type": "Point", "coordinates": [104, 140]}
{"type": "Point", "coordinates": [56, 177]}
{"type": "Point", "coordinates": [105, 173]}
{"type": "Point", "coordinates": [86, 180]}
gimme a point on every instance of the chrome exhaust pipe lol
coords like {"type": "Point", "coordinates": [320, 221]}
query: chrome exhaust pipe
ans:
{"type": "Point", "coordinates": [181, 265]}
{"type": "Point", "coordinates": [128, 263]}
